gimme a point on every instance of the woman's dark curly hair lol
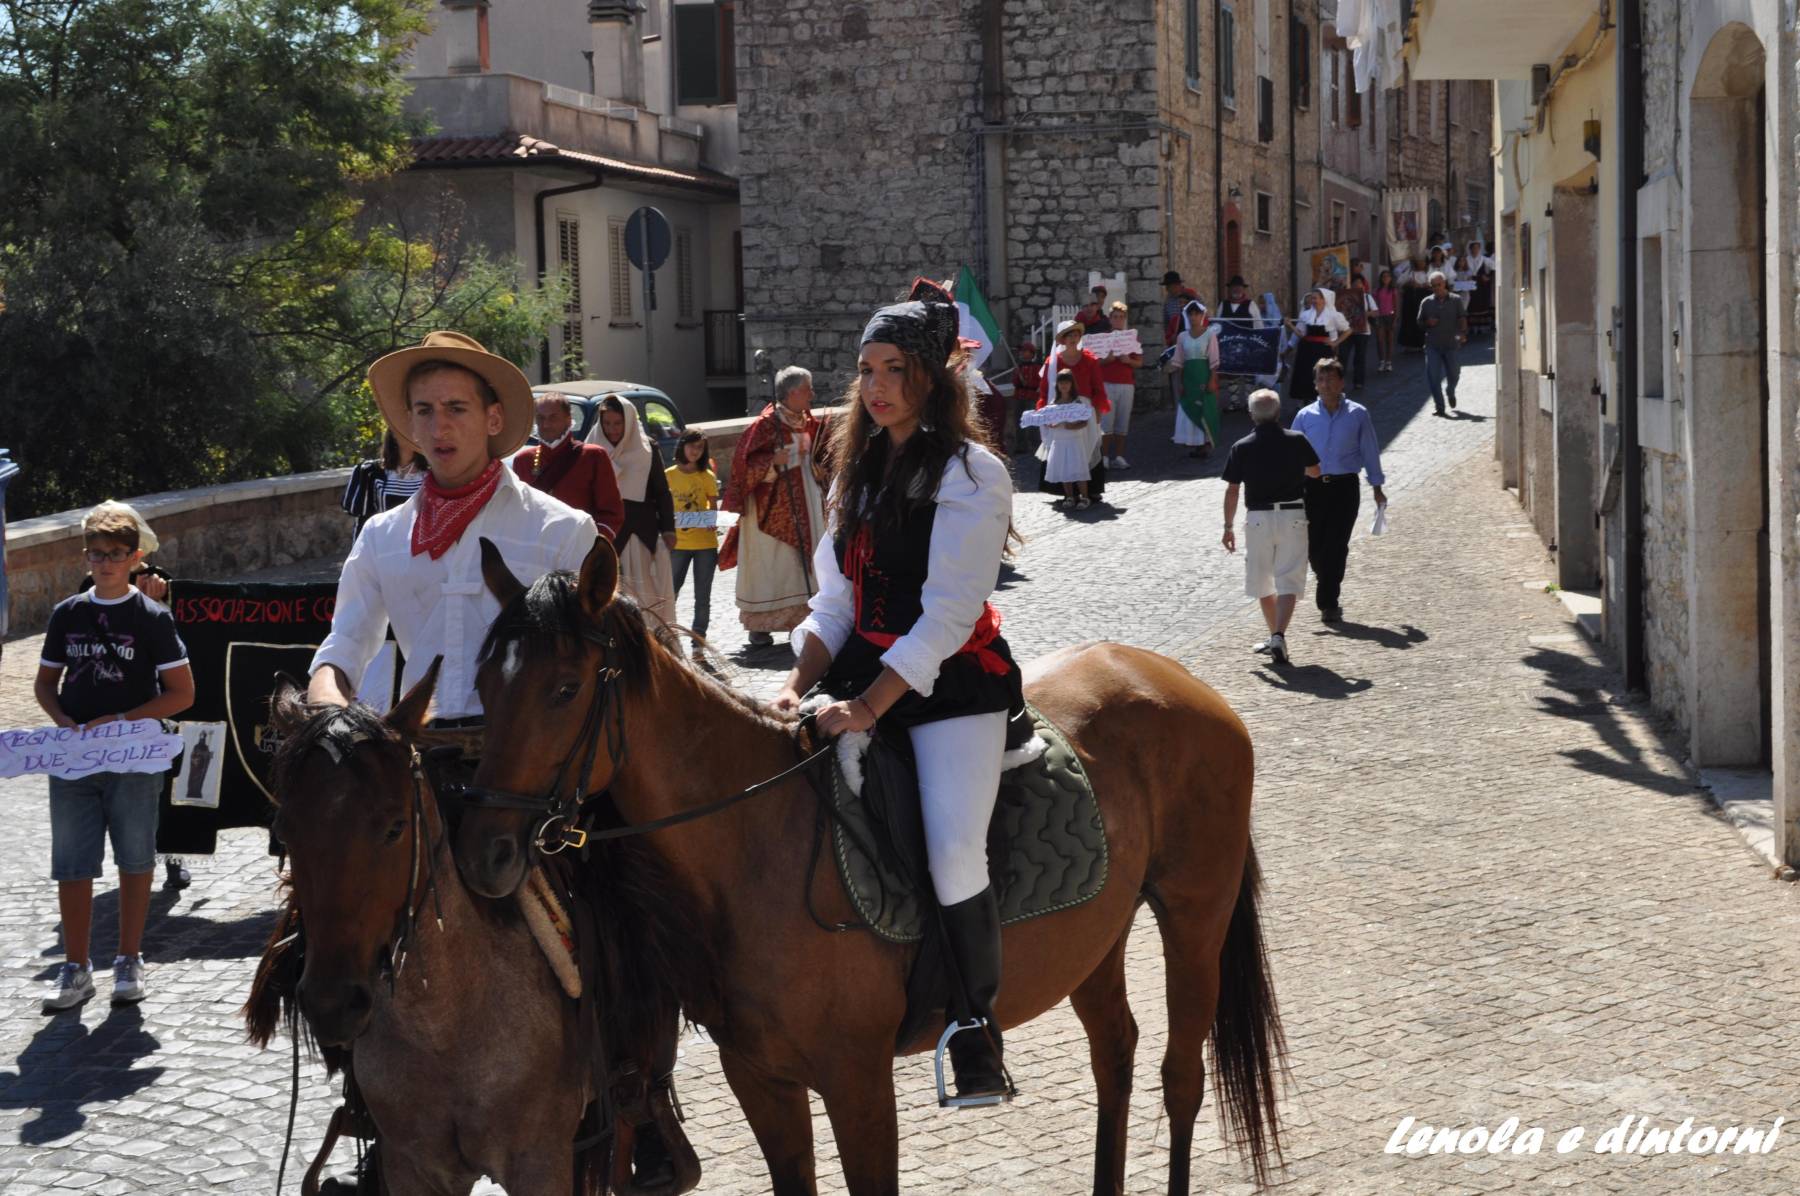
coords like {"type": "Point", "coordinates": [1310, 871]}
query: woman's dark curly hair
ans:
{"type": "Point", "coordinates": [866, 491]}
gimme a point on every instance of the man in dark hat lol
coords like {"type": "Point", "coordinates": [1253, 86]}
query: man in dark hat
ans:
{"type": "Point", "coordinates": [1175, 297]}
{"type": "Point", "coordinates": [1239, 309]}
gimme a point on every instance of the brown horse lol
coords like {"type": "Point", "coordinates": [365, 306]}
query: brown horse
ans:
{"type": "Point", "coordinates": [472, 1061]}
{"type": "Point", "coordinates": [794, 1008]}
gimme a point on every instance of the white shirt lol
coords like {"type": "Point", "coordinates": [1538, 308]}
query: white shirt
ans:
{"type": "Point", "coordinates": [443, 607]}
{"type": "Point", "coordinates": [968, 539]}
{"type": "Point", "coordinates": [1331, 320]}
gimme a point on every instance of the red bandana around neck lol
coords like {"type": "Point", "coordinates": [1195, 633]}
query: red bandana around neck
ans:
{"type": "Point", "coordinates": [444, 515]}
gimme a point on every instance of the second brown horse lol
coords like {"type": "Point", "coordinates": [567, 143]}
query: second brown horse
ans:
{"type": "Point", "coordinates": [794, 1008]}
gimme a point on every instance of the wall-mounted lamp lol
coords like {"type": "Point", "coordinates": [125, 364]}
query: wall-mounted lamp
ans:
{"type": "Point", "coordinates": [1233, 192]}
{"type": "Point", "coordinates": [1590, 136]}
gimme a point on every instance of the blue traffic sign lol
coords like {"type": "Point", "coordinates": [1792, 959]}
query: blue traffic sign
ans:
{"type": "Point", "coordinates": [648, 224]}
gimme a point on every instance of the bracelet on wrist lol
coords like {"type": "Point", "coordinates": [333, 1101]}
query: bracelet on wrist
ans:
{"type": "Point", "coordinates": [873, 717]}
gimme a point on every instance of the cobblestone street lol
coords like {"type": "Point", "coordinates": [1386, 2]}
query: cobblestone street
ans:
{"type": "Point", "coordinates": [1494, 891]}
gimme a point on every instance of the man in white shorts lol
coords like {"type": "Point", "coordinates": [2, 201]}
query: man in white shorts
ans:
{"type": "Point", "coordinates": [1118, 371]}
{"type": "Point", "coordinates": [1271, 465]}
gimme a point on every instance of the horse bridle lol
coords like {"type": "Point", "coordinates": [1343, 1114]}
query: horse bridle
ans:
{"type": "Point", "coordinates": [423, 855]}
{"type": "Point", "coordinates": [564, 812]}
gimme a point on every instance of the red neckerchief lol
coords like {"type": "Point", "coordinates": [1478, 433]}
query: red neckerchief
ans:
{"type": "Point", "coordinates": [987, 627]}
{"type": "Point", "coordinates": [444, 515]}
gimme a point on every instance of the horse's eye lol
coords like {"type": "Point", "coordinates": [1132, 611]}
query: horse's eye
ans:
{"type": "Point", "coordinates": [567, 693]}
{"type": "Point", "coordinates": [396, 830]}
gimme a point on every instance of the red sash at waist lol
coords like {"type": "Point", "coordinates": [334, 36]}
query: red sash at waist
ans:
{"type": "Point", "coordinates": [987, 627]}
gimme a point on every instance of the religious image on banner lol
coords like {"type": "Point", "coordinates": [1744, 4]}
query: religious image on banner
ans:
{"type": "Point", "coordinates": [1329, 266]}
{"type": "Point", "coordinates": [196, 781]}
{"type": "Point", "coordinates": [1404, 224]}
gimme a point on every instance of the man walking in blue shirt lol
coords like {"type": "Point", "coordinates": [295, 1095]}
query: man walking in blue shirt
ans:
{"type": "Point", "coordinates": [1343, 436]}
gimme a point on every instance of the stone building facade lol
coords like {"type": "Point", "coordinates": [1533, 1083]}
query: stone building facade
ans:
{"type": "Point", "coordinates": [1034, 142]}
{"type": "Point", "coordinates": [1675, 501]}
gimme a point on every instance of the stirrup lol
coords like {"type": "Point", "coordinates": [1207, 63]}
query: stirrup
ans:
{"type": "Point", "coordinates": [945, 1100]}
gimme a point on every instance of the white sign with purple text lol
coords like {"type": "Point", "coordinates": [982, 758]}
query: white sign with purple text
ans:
{"type": "Point", "coordinates": [140, 745]}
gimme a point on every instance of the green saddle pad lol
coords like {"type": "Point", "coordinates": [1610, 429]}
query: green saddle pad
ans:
{"type": "Point", "coordinates": [1046, 846]}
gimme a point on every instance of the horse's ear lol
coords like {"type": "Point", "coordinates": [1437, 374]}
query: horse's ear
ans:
{"type": "Point", "coordinates": [500, 580]}
{"type": "Point", "coordinates": [287, 705]}
{"type": "Point", "coordinates": [408, 715]}
{"type": "Point", "coordinates": [599, 577]}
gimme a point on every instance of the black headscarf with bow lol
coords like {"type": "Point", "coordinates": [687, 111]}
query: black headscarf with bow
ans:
{"type": "Point", "coordinates": [924, 326]}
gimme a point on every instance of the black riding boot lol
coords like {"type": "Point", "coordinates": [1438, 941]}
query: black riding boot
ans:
{"type": "Point", "coordinates": [972, 930]}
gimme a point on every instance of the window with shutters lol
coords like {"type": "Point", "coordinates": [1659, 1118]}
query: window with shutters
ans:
{"type": "Point", "coordinates": [568, 257]}
{"type": "Point", "coordinates": [1265, 212]}
{"type": "Point", "coordinates": [706, 53]}
{"type": "Point", "coordinates": [1228, 56]}
{"type": "Point", "coordinates": [1333, 87]}
{"type": "Point", "coordinates": [1265, 109]}
{"type": "Point", "coordinates": [684, 274]}
{"type": "Point", "coordinates": [1300, 65]}
{"type": "Point", "coordinates": [1352, 97]}
{"type": "Point", "coordinates": [618, 270]}
{"type": "Point", "coordinates": [1192, 8]}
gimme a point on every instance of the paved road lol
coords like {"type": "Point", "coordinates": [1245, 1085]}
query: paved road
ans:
{"type": "Point", "coordinates": [1493, 892]}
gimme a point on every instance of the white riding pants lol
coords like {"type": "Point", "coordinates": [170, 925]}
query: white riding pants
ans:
{"type": "Point", "coordinates": [959, 781]}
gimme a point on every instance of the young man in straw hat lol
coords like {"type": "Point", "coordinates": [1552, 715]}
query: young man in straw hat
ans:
{"type": "Point", "coordinates": [418, 566]}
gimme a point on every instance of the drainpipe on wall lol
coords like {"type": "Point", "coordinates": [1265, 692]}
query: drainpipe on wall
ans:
{"type": "Point", "coordinates": [1218, 153]}
{"type": "Point", "coordinates": [543, 265]}
{"type": "Point", "coordinates": [1293, 222]}
{"type": "Point", "coordinates": [1630, 59]}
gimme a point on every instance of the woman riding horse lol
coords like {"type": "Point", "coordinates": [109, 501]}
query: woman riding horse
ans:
{"type": "Point", "coordinates": [903, 636]}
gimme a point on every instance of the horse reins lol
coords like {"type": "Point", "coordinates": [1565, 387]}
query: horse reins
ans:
{"type": "Point", "coordinates": [565, 812]}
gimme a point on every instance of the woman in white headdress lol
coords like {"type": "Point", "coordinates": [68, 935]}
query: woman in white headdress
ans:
{"type": "Point", "coordinates": [647, 537]}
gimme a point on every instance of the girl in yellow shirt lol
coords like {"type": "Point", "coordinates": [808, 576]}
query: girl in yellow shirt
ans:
{"type": "Point", "coordinates": [695, 489]}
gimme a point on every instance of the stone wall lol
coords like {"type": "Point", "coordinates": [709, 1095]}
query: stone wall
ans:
{"type": "Point", "coordinates": [1662, 21]}
{"type": "Point", "coordinates": [858, 165]}
{"type": "Point", "coordinates": [1091, 197]}
{"type": "Point", "coordinates": [212, 532]}
{"type": "Point", "coordinates": [1665, 585]}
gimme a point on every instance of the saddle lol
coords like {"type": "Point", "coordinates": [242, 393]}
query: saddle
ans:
{"type": "Point", "coordinates": [1046, 843]}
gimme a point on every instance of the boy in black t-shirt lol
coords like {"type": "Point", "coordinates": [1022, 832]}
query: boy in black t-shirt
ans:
{"type": "Point", "coordinates": [110, 654]}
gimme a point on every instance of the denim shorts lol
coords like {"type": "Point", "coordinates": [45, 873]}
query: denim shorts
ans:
{"type": "Point", "coordinates": [83, 812]}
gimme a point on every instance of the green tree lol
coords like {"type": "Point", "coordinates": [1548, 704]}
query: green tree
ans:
{"type": "Point", "coordinates": [191, 286]}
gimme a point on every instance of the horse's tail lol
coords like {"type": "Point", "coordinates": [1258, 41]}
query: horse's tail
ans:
{"type": "Point", "coordinates": [1249, 1049]}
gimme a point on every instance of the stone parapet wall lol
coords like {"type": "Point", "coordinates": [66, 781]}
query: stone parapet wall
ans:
{"type": "Point", "coordinates": [211, 532]}
{"type": "Point", "coordinates": [222, 532]}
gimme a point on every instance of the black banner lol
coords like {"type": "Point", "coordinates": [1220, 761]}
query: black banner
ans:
{"type": "Point", "coordinates": [1244, 350]}
{"type": "Point", "coordinates": [239, 636]}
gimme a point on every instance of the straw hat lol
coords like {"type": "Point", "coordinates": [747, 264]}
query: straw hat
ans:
{"type": "Point", "coordinates": [387, 378]}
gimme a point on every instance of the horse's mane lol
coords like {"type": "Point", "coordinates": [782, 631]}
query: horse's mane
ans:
{"type": "Point", "coordinates": [549, 611]}
{"type": "Point", "coordinates": [337, 729]}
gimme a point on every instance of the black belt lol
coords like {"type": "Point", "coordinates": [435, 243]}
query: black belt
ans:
{"type": "Point", "coordinates": [458, 724]}
{"type": "Point", "coordinates": [1338, 477]}
{"type": "Point", "coordinates": [1296, 505]}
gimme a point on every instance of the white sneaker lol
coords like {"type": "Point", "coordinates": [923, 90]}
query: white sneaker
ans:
{"type": "Point", "coordinates": [74, 984]}
{"type": "Point", "coordinates": [1278, 649]}
{"type": "Point", "coordinates": [128, 979]}
{"type": "Point", "coordinates": [1120, 463]}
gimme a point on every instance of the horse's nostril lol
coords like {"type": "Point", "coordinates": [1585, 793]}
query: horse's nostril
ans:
{"type": "Point", "coordinates": [500, 856]}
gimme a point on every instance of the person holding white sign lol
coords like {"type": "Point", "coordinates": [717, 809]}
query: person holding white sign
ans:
{"type": "Point", "coordinates": [110, 654]}
{"type": "Point", "coordinates": [1119, 374]}
{"type": "Point", "coordinates": [1067, 446]}
{"type": "Point", "coordinates": [695, 489]}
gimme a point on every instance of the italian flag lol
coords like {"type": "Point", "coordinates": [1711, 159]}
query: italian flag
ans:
{"type": "Point", "coordinates": [978, 323]}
